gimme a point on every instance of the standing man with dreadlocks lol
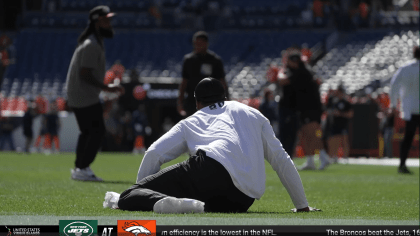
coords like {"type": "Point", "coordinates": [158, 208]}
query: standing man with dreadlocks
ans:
{"type": "Point", "coordinates": [84, 83]}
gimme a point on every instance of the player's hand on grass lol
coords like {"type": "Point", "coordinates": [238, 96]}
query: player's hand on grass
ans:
{"type": "Point", "coordinates": [305, 209]}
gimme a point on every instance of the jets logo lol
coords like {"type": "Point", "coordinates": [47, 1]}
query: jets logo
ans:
{"type": "Point", "coordinates": [78, 228]}
{"type": "Point", "coordinates": [137, 227]}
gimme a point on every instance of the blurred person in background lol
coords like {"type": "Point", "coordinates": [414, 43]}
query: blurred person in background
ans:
{"type": "Point", "coordinates": [364, 13]}
{"type": "Point", "coordinates": [129, 101]}
{"type": "Point", "coordinates": [115, 72]}
{"type": "Point", "coordinates": [111, 115]}
{"type": "Point", "coordinates": [5, 61]}
{"type": "Point", "coordinates": [140, 125]}
{"type": "Point", "coordinates": [306, 53]}
{"type": "Point", "coordinates": [85, 81]}
{"type": "Point", "coordinates": [272, 73]}
{"type": "Point", "coordinates": [6, 129]}
{"type": "Point", "coordinates": [118, 69]}
{"type": "Point", "coordinates": [39, 146]}
{"type": "Point", "coordinates": [405, 88]}
{"type": "Point", "coordinates": [317, 9]}
{"type": "Point", "coordinates": [27, 121]}
{"type": "Point", "coordinates": [53, 125]}
{"type": "Point", "coordinates": [197, 65]}
{"type": "Point", "coordinates": [341, 111]}
{"type": "Point", "coordinates": [287, 113]}
{"type": "Point", "coordinates": [327, 122]}
{"type": "Point", "coordinates": [387, 122]}
{"type": "Point", "coordinates": [309, 106]}
{"type": "Point", "coordinates": [127, 132]}
{"type": "Point", "coordinates": [41, 106]}
{"type": "Point", "coordinates": [268, 106]}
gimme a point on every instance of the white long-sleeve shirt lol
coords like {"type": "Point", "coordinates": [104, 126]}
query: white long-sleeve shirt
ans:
{"type": "Point", "coordinates": [237, 136]}
{"type": "Point", "coordinates": [405, 86]}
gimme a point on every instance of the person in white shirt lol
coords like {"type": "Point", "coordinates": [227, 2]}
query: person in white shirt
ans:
{"type": "Point", "coordinates": [405, 87]}
{"type": "Point", "coordinates": [227, 142]}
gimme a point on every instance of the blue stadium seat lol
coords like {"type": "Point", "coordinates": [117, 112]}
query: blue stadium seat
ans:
{"type": "Point", "coordinates": [48, 53]}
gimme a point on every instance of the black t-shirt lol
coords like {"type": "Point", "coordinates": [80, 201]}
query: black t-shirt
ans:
{"type": "Point", "coordinates": [199, 66]}
{"type": "Point", "coordinates": [306, 89]}
{"type": "Point", "coordinates": [342, 105]}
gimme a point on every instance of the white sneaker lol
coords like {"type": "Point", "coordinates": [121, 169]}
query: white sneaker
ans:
{"type": "Point", "coordinates": [33, 150]}
{"type": "Point", "coordinates": [309, 164]}
{"type": "Point", "coordinates": [178, 205]}
{"type": "Point", "coordinates": [85, 174]}
{"type": "Point", "coordinates": [137, 151]}
{"type": "Point", "coordinates": [88, 171]}
{"type": "Point", "coordinates": [47, 152]}
{"type": "Point", "coordinates": [325, 160]}
{"type": "Point", "coordinates": [111, 200]}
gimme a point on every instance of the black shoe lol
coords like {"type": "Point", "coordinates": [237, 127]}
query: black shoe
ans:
{"type": "Point", "coordinates": [404, 170]}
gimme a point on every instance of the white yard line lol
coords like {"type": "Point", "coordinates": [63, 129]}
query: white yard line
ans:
{"type": "Point", "coordinates": [191, 220]}
{"type": "Point", "coordinates": [411, 162]}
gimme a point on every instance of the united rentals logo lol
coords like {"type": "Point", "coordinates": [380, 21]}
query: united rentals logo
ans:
{"type": "Point", "coordinates": [136, 227]}
{"type": "Point", "coordinates": [78, 228]}
{"type": "Point", "coordinates": [27, 231]}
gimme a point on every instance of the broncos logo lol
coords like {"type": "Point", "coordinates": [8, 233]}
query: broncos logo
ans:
{"type": "Point", "coordinates": [135, 228]}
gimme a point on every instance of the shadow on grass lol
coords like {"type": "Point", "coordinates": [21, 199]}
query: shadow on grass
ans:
{"type": "Point", "coordinates": [272, 212]}
{"type": "Point", "coordinates": [117, 182]}
{"type": "Point", "coordinates": [107, 182]}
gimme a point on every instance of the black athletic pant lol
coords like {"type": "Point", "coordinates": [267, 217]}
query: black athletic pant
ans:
{"type": "Point", "coordinates": [200, 177]}
{"type": "Point", "coordinates": [288, 129]}
{"type": "Point", "coordinates": [91, 124]}
{"type": "Point", "coordinates": [410, 130]}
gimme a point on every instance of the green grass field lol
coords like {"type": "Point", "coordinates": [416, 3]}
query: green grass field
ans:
{"type": "Point", "coordinates": [36, 189]}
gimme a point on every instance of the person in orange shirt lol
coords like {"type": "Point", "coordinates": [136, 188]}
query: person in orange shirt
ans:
{"type": "Point", "coordinates": [364, 12]}
{"type": "Point", "coordinates": [387, 123]}
{"type": "Point", "coordinates": [318, 8]}
{"type": "Point", "coordinates": [118, 69]}
{"type": "Point", "coordinates": [272, 73]}
{"type": "Point", "coordinates": [306, 53]}
{"type": "Point", "coordinates": [41, 108]}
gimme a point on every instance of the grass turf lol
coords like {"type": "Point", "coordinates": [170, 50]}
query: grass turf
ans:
{"type": "Point", "coordinates": [37, 189]}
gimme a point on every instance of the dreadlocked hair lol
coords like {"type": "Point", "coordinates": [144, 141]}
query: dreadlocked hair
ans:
{"type": "Point", "coordinates": [86, 33]}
